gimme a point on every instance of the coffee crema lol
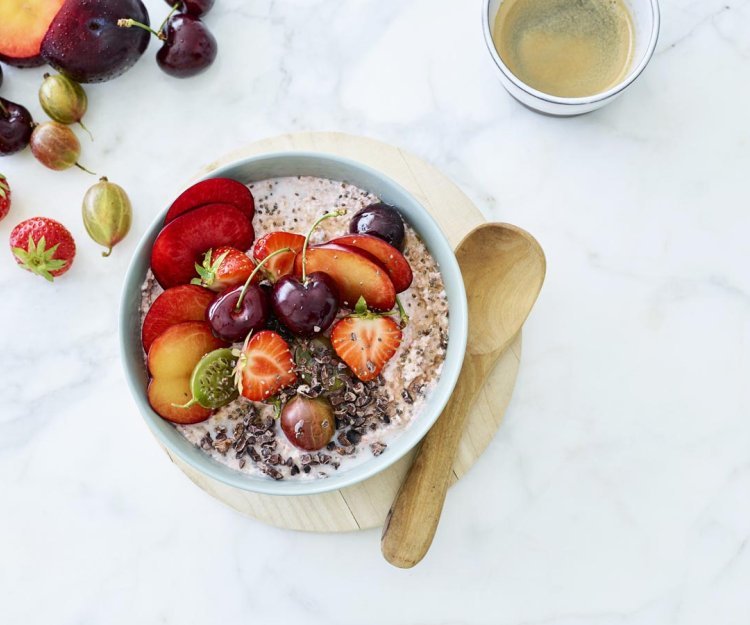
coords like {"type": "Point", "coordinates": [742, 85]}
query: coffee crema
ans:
{"type": "Point", "coordinates": [566, 48]}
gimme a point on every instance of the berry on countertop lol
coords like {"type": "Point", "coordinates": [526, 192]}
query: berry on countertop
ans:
{"type": "Point", "coordinates": [365, 341]}
{"type": "Point", "coordinates": [4, 196]}
{"type": "Point", "coordinates": [43, 246]}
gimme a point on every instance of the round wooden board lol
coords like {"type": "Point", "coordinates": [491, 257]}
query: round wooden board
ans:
{"type": "Point", "coordinates": [365, 505]}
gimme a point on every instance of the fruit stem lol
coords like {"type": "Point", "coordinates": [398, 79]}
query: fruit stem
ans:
{"type": "Point", "coordinates": [256, 270]}
{"type": "Point", "coordinates": [108, 252]}
{"type": "Point", "coordinates": [171, 13]}
{"type": "Point", "coordinates": [3, 109]}
{"type": "Point", "coordinates": [320, 219]}
{"type": "Point", "coordinates": [80, 123]}
{"type": "Point", "coordinates": [88, 171]}
{"type": "Point", "coordinates": [129, 23]}
{"type": "Point", "coordinates": [402, 312]}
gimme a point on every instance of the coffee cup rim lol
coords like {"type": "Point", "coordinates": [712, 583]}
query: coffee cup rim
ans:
{"type": "Point", "coordinates": [564, 101]}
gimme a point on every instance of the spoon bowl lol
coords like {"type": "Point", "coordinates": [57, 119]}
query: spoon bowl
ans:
{"type": "Point", "coordinates": [503, 268]}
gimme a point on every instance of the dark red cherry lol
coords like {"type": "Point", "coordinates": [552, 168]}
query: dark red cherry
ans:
{"type": "Point", "coordinates": [309, 424]}
{"type": "Point", "coordinates": [16, 127]}
{"type": "Point", "coordinates": [198, 8]}
{"type": "Point", "coordinates": [306, 308]}
{"type": "Point", "coordinates": [189, 48]}
{"type": "Point", "coordinates": [380, 220]}
{"type": "Point", "coordinates": [232, 324]}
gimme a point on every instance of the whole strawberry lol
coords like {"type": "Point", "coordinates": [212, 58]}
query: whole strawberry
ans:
{"type": "Point", "coordinates": [4, 196]}
{"type": "Point", "coordinates": [43, 246]}
{"type": "Point", "coordinates": [224, 268]}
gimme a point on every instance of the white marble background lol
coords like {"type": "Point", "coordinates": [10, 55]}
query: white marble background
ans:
{"type": "Point", "coordinates": [616, 493]}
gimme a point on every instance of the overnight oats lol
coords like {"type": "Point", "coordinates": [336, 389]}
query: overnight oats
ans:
{"type": "Point", "coordinates": [292, 327]}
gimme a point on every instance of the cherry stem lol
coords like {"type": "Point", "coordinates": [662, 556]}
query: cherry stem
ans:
{"type": "Point", "coordinates": [255, 271]}
{"type": "Point", "coordinates": [88, 171]}
{"type": "Point", "coordinates": [3, 109]}
{"type": "Point", "coordinates": [320, 219]}
{"type": "Point", "coordinates": [171, 13]}
{"type": "Point", "coordinates": [129, 23]}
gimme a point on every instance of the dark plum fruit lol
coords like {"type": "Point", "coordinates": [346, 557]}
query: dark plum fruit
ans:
{"type": "Point", "coordinates": [198, 8]}
{"type": "Point", "coordinates": [16, 126]}
{"type": "Point", "coordinates": [306, 307]}
{"type": "Point", "coordinates": [380, 220]}
{"type": "Point", "coordinates": [86, 44]}
{"type": "Point", "coordinates": [309, 424]}
{"type": "Point", "coordinates": [189, 48]}
{"type": "Point", "coordinates": [233, 315]}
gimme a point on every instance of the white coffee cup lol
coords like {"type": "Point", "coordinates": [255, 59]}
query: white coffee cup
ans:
{"type": "Point", "coordinates": [646, 20]}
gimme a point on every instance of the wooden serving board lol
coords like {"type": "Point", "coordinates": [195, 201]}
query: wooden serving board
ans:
{"type": "Point", "coordinates": [365, 505]}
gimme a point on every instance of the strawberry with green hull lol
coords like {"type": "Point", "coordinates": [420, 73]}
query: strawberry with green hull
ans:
{"type": "Point", "coordinates": [4, 196]}
{"type": "Point", "coordinates": [43, 246]}
{"type": "Point", "coordinates": [183, 242]}
{"type": "Point", "coordinates": [366, 341]}
{"type": "Point", "coordinates": [224, 268]}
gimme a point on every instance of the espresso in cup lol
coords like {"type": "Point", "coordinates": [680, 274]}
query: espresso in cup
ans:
{"type": "Point", "coordinates": [565, 48]}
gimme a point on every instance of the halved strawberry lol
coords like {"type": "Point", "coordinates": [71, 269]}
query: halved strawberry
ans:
{"type": "Point", "coordinates": [281, 264]}
{"type": "Point", "coordinates": [365, 341]}
{"type": "Point", "coordinates": [224, 268]}
{"type": "Point", "coordinates": [265, 366]}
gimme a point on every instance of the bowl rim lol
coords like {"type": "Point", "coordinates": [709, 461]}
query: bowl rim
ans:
{"type": "Point", "coordinates": [416, 430]}
{"type": "Point", "coordinates": [574, 102]}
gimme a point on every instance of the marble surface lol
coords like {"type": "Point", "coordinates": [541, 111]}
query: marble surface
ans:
{"type": "Point", "coordinates": [616, 492]}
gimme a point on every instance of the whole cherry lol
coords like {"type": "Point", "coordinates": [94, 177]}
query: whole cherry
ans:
{"type": "Point", "coordinates": [307, 305]}
{"type": "Point", "coordinates": [195, 7]}
{"type": "Point", "coordinates": [189, 47]}
{"type": "Point", "coordinates": [241, 310]}
{"type": "Point", "coordinates": [16, 126]}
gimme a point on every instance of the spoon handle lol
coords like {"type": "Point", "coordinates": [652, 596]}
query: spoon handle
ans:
{"type": "Point", "coordinates": [415, 513]}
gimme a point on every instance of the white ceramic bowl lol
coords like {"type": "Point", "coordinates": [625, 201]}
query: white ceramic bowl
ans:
{"type": "Point", "coordinates": [335, 168]}
{"type": "Point", "coordinates": [646, 22]}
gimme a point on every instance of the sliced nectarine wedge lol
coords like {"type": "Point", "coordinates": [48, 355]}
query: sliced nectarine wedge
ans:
{"type": "Point", "coordinates": [393, 261]}
{"type": "Point", "coordinates": [171, 360]}
{"type": "Point", "coordinates": [23, 24]}
{"type": "Point", "coordinates": [355, 272]}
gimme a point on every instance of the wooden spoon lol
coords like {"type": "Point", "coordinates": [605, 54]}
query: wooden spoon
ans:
{"type": "Point", "coordinates": [503, 269]}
